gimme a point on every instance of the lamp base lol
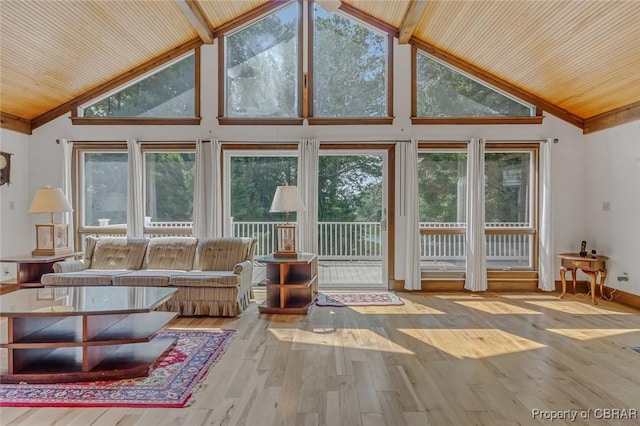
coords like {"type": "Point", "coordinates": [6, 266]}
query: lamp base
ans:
{"type": "Point", "coordinates": [286, 254]}
{"type": "Point", "coordinates": [52, 252]}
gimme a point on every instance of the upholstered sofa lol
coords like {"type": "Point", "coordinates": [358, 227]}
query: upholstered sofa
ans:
{"type": "Point", "coordinates": [213, 275]}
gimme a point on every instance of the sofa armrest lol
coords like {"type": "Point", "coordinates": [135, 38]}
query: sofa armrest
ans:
{"type": "Point", "coordinates": [245, 270]}
{"type": "Point", "coordinates": [69, 266]}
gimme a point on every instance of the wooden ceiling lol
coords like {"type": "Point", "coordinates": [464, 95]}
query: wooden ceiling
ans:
{"type": "Point", "coordinates": [579, 60]}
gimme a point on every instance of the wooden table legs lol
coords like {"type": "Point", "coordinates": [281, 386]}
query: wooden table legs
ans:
{"type": "Point", "coordinates": [592, 281]}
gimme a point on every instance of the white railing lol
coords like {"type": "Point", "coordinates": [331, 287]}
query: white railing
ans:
{"type": "Point", "coordinates": [362, 240]}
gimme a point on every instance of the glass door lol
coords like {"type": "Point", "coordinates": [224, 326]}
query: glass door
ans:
{"type": "Point", "coordinates": [352, 219]}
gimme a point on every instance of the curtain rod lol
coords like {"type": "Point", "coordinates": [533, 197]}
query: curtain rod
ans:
{"type": "Point", "coordinates": [555, 140]}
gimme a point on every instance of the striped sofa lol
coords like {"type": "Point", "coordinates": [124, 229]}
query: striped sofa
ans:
{"type": "Point", "coordinates": [213, 275]}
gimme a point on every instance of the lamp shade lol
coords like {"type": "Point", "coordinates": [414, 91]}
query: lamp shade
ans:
{"type": "Point", "coordinates": [286, 199]}
{"type": "Point", "coordinates": [49, 200]}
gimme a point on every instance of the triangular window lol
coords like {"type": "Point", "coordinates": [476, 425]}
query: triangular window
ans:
{"type": "Point", "coordinates": [442, 91]}
{"type": "Point", "coordinates": [167, 92]}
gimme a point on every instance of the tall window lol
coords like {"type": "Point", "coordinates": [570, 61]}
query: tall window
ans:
{"type": "Point", "coordinates": [442, 187]}
{"type": "Point", "coordinates": [168, 92]}
{"type": "Point", "coordinates": [261, 67]}
{"type": "Point", "coordinates": [169, 185]}
{"type": "Point", "coordinates": [510, 206]}
{"type": "Point", "coordinates": [350, 67]}
{"type": "Point", "coordinates": [102, 197]}
{"type": "Point", "coordinates": [251, 180]}
{"type": "Point", "coordinates": [442, 91]}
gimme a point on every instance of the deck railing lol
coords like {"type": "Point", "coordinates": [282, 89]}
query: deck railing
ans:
{"type": "Point", "coordinates": [362, 240]}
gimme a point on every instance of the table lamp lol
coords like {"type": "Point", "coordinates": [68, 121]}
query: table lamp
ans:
{"type": "Point", "coordinates": [51, 238]}
{"type": "Point", "coordinates": [286, 200]}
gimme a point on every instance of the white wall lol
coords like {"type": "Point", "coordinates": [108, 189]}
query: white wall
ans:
{"type": "Point", "coordinates": [569, 161]}
{"type": "Point", "coordinates": [613, 176]}
{"type": "Point", "coordinates": [14, 201]}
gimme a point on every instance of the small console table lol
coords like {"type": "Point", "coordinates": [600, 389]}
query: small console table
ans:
{"type": "Point", "coordinates": [590, 265]}
{"type": "Point", "coordinates": [292, 284]}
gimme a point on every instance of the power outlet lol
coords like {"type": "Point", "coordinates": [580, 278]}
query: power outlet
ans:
{"type": "Point", "coordinates": [623, 277]}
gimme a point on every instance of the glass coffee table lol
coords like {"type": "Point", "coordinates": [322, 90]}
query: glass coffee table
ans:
{"type": "Point", "coordinates": [83, 333]}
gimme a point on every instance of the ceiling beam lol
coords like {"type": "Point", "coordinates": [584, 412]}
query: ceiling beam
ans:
{"type": "Point", "coordinates": [15, 123]}
{"type": "Point", "coordinates": [616, 117]}
{"type": "Point", "coordinates": [410, 21]}
{"type": "Point", "coordinates": [196, 17]}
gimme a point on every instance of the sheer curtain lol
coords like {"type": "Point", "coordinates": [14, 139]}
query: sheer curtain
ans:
{"type": "Point", "coordinates": [202, 191]}
{"type": "Point", "coordinates": [547, 274]}
{"type": "Point", "coordinates": [408, 156]}
{"type": "Point", "coordinates": [67, 188]}
{"type": "Point", "coordinates": [135, 204]}
{"type": "Point", "coordinates": [308, 164]}
{"type": "Point", "coordinates": [476, 274]}
{"type": "Point", "coordinates": [215, 202]}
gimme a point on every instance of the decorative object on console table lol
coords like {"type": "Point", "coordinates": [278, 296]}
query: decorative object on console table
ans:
{"type": "Point", "coordinates": [592, 266]}
{"type": "Point", "coordinates": [286, 200]}
{"type": "Point", "coordinates": [5, 168]}
{"type": "Point", "coordinates": [292, 284]}
{"type": "Point", "coordinates": [52, 238]}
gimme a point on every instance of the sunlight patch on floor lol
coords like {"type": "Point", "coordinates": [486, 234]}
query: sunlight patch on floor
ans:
{"type": "Point", "coordinates": [575, 307]}
{"type": "Point", "coordinates": [497, 308]}
{"type": "Point", "coordinates": [345, 337]}
{"type": "Point", "coordinates": [487, 342]}
{"type": "Point", "coordinates": [591, 333]}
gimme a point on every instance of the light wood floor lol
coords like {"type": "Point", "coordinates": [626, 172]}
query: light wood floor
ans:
{"type": "Point", "coordinates": [442, 359]}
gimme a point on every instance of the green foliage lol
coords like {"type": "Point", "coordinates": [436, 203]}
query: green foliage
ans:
{"type": "Point", "coordinates": [169, 186]}
{"type": "Point", "coordinates": [350, 70]}
{"type": "Point", "coordinates": [170, 91]}
{"type": "Point", "coordinates": [506, 186]}
{"type": "Point", "coordinates": [441, 182]}
{"type": "Point", "coordinates": [105, 187]}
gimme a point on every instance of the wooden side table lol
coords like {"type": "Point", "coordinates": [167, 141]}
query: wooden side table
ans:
{"type": "Point", "coordinates": [31, 268]}
{"type": "Point", "coordinates": [292, 284]}
{"type": "Point", "coordinates": [592, 266]}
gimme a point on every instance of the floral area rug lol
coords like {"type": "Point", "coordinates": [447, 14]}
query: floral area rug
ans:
{"type": "Point", "coordinates": [171, 383]}
{"type": "Point", "coordinates": [378, 298]}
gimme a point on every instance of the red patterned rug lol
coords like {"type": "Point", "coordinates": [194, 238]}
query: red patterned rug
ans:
{"type": "Point", "coordinates": [171, 383]}
{"type": "Point", "coordinates": [378, 298]}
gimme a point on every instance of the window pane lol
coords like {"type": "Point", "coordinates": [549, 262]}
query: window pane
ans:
{"type": "Point", "coordinates": [261, 67]}
{"type": "Point", "coordinates": [169, 92]}
{"type": "Point", "coordinates": [349, 68]}
{"type": "Point", "coordinates": [505, 251]}
{"type": "Point", "coordinates": [169, 188]}
{"type": "Point", "coordinates": [443, 92]}
{"type": "Point", "coordinates": [254, 180]}
{"type": "Point", "coordinates": [442, 186]}
{"type": "Point", "coordinates": [104, 189]}
{"type": "Point", "coordinates": [507, 189]}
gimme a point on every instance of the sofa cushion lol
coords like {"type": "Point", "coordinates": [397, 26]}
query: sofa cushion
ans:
{"type": "Point", "coordinates": [85, 277]}
{"type": "Point", "coordinates": [221, 254]}
{"type": "Point", "coordinates": [118, 253]}
{"type": "Point", "coordinates": [170, 253]}
{"type": "Point", "coordinates": [146, 277]}
{"type": "Point", "coordinates": [205, 279]}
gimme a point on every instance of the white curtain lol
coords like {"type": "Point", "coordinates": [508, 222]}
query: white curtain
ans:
{"type": "Point", "coordinates": [308, 164]}
{"type": "Point", "coordinates": [476, 274]}
{"type": "Point", "coordinates": [547, 274]}
{"type": "Point", "coordinates": [135, 205]}
{"type": "Point", "coordinates": [408, 157]}
{"type": "Point", "coordinates": [215, 203]}
{"type": "Point", "coordinates": [67, 188]}
{"type": "Point", "coordinates": [203, 191]}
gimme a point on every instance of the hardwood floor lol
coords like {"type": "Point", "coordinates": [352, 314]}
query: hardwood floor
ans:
{"type": "Point", "coordinates": [441, 359]}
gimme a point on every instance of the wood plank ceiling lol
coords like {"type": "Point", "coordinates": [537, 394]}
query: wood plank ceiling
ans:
{"type": "Point", "coordinates": [581, 57]}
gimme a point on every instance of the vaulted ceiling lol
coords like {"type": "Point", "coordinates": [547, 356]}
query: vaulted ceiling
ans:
{"type": "Point", "coordinates": [579, 60]}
